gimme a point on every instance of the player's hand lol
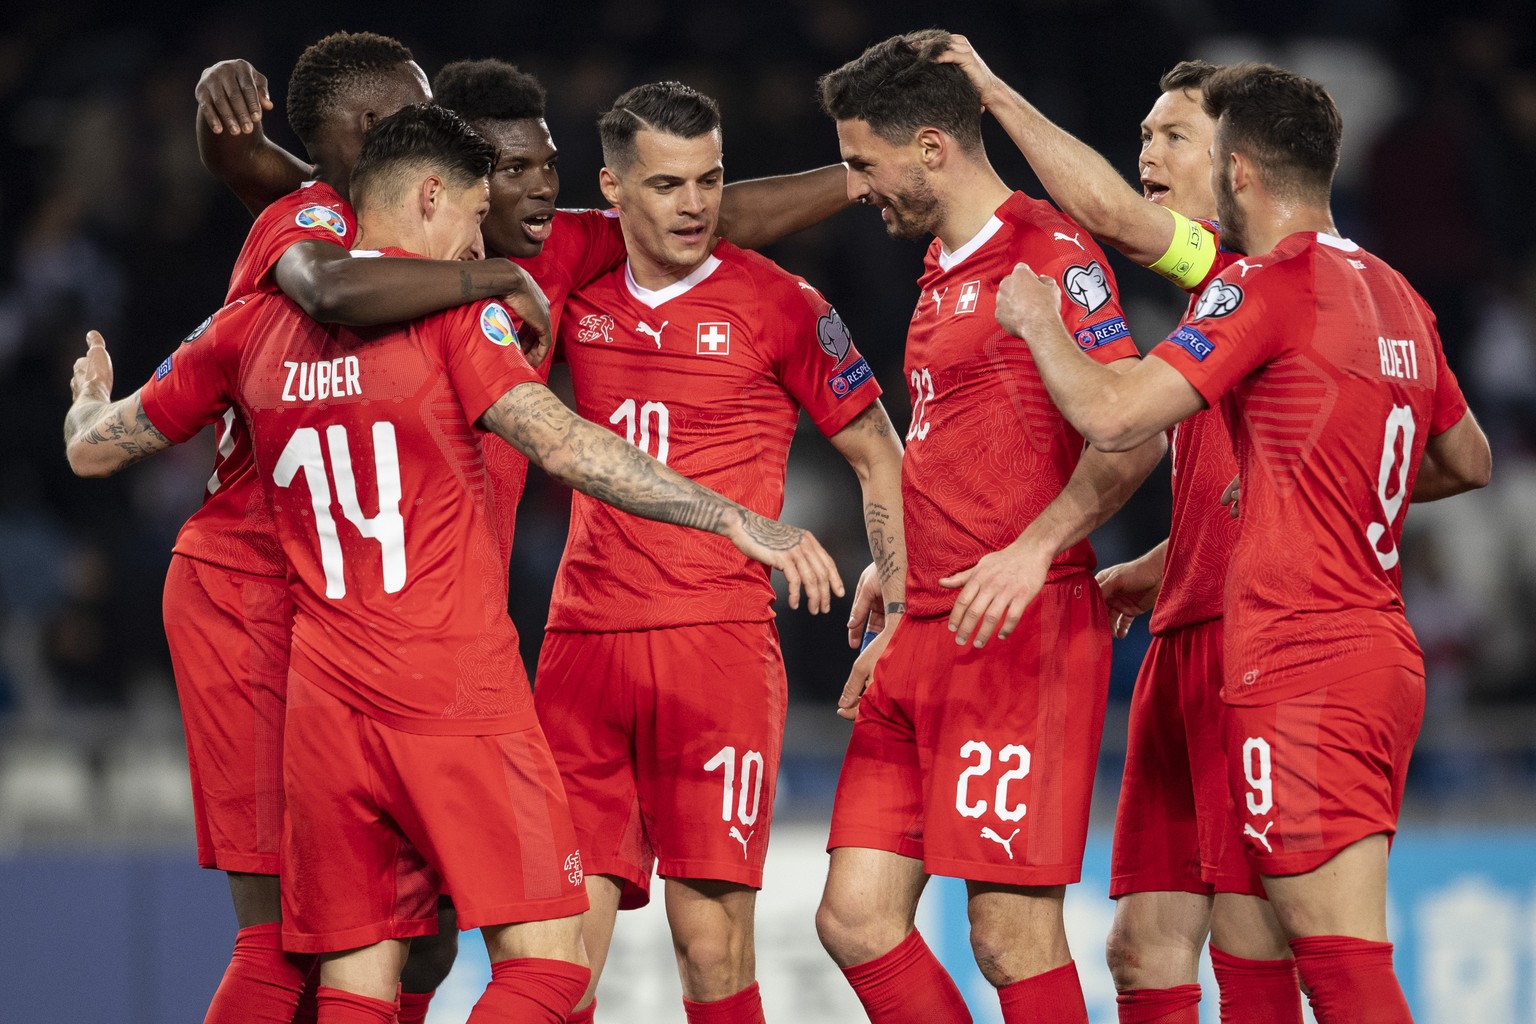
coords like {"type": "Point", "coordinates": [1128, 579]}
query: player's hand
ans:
{"type": "Point", "coordinates": [794, 552]}
{"type": "Point", "coordinates": [1130, 589]}
{"type": "Point", "coordinates": [995, 591]}
{"type": "Point", "coordinates": [1230, 496]}
{"type": "Point", "coordinates": [868, 612]}
{"type": "Point", "coordinates": [531, 305]}
{"type": "Point", "coordinates": [93, 371]}
{"type": "Point", "coordinates": [863, 670]}
{"type": "Point", "coordinates": [1028, 303]}
{"type": "Point", "coordinates": [962, 54]}
{"type": "Point", "coordinates": [231, 95]}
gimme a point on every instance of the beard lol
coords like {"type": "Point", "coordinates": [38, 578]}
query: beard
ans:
{"type": "Point", "coordinates": [914, 210]}
{"type": "Point", "coordinates": [1233, 224]}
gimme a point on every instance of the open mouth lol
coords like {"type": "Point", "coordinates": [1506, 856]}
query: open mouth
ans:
{"type": "Point", "coordinates": [537, 228]}
{"type": "Point", "coordinates": [1153, 191]}
{"type": "Point", "coordinates": [690, 235]}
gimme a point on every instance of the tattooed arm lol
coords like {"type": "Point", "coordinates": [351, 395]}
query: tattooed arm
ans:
{"type": "Point", "coordinates": [599, 463]}
{"type": "Point", "coordinates": [871, 446]}
{"type": "Point", "coordinates": [102, 436]}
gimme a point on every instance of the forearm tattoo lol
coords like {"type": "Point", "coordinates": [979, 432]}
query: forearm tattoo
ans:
{"type": "Point", "coordinates": [137, 439]}
{"type": "Point", "coordinates": [882, 543]}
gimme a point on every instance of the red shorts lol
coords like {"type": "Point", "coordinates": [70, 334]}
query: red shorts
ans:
{"type": "Point", "coordinates": [1176, 829]}
{"type": "Point", "coordinates": [980, 762]}
{"type": "Point", "coordinates": [668, 741]}
{"type": "Point", "coordinates": [379, 820]}
{"type": "Point", "coordinates": [1315, 773]}
{"type": "Point", "coordinates": [228, 634]}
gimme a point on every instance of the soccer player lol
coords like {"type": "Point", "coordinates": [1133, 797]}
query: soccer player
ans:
{"type": "Point", "coordinates": [228, 608]}
{"type": "Point", "coordinates": [660, 683]}
{"type": "Point", "coordinates": [1178, 870]}
{"type": "Point", "coordinates": [412, 757]}
{"type": "Point", "coordinates": [1330, 375]}
{"type": "Point", "coordinates": [968, 758]}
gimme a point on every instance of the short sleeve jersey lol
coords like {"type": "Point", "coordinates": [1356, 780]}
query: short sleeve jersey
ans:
{"type": "Point", "coordinates": [583, 245]}
{"type": "Point", "coordinates": [1330, 375]}
{"type": "Point", "coordinates": [233, 526]}
{"type": "Point", "coordinates": [988, 450]}
{"type": "Point", "coordinates": [1201, 533]}
{"type": "Point", "coordinates": [381, 496]}
{"type": "Point", "coordinates": [708, 375]}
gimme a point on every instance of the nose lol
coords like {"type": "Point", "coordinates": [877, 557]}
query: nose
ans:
{"type": "Point", "coordinates": [858, 188]}
{"type": "Point", "coordinates": [476, 250]}
{"type": "Point", "coordinates": [546, 184]}
{"type": "Point", "coordinates": [690, 199]}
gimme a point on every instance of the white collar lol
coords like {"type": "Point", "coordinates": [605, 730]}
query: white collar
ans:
{"type": "Point", "coordinates": [654, 298]}
{"type": "Point", "coordinates": [1337, 242]}
{"type": "Point", "coordinates": [951, 260]}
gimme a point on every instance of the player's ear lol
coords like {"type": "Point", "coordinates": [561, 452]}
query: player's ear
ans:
{"type": "Point", "coordinates": [1242, 171]}
{"type": "Point", "coordinates": [932, 147]}
{"type": "Point", "coordinates": [428, 194]}
{"type": "Point", "coordinates": [608, 182]}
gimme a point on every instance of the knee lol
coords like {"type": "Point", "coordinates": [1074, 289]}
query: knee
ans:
{"type": "Point", "coordinates": [996, 951]}
{"type": "Point", "coordinates": [430, 960]}
{"type": "Point", "coordinates": [1124, 956]}
{"type": "Point", "coordinates": [713, 958]}
{"type": "Point", "coordinates": [1137, 960]}
{"type": "Point", "coordinates": [854, 932]}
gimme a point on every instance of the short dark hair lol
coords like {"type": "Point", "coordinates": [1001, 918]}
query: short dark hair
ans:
{"type": "Point", "coordinates": [488, 90]}
{"type": "Point", "coordinates": [420, 137]}
{"type": "Point", "coordinates": [1187, 74]}
{"type": "Point", "coordinates": [332, 69]}
{"type": "Point", "coordinates": [669, 107]}
{"type": "Point", "coordinates": [1286, 123]}
{"type": "Point", "coordinates": [898, 89]}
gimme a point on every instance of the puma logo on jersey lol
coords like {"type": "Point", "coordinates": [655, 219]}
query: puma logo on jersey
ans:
{"type": "Point", "coordinates": [742, 839]}
{"type": "Point", "coordinates": [654, 332]}
{"type": "Point", "coordinates": [1249, 830]}
{"type": "Point", "coordinates": [1058, 236]}
{"type": "Point", "coordinates": [938, 300]}
{"type": "Point", "coordinates": [1006, 844]}
{"type": "Point", "coordinates": [1247, 267]}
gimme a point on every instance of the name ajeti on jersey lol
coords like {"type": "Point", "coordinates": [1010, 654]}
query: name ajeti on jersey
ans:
{"type": "Point", "coordinates": [707, 375]}
{"type": "Point", "coordinates": [987, 449]}
{"type": "Point", "coordinates": [233, 527]}
{"type": "Point", "coordinates": [1328, 369]}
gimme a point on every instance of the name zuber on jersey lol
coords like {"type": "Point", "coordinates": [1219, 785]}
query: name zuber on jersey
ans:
{"type": "Point", "coordinates": [323, 379]}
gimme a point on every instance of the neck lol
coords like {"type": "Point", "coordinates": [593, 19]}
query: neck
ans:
{"type": "Point", "coordinates": [972, 194]}
{"type": "Point", "coordinates": [389, 229]}
{"type": "Point", "coordinates": [1271, 226]}
{"type": "Point", "coordinates": [654, 275]}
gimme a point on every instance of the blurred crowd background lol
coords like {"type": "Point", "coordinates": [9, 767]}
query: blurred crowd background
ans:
{"type": "Point", "coordinates": [109, 221]}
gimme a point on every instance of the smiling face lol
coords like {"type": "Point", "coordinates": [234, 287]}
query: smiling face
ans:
{"type": "Point", "coordinates": [1175, 162]}
{"type": "Point", "coordinates": [890, 178]}
{"type": "Point", "coordinates": [524, 186]}
{"type": "Point", "coordinates": [668, 200]}
{"type": "Point", "coordinates": [453, 233]}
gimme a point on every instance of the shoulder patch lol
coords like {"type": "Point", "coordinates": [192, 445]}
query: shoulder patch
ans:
{"type": "Point", "coordinates": [850, 380]}
{"type": "Point", "coordinates": [1087, 286]}
{"type": "Point", "coordinates": [1192, 341]}
{"type": "Point", "coordinates": [197, 332]}
{"type": "Point", "coordinates": [496, 324]}
{"type": "Point", "coordinates": [322, 217]}
{"type": "Point", "coordinates": [1220, 298]}
{"type": "Point", "coordinates": [1103, 333]}
{"type": "Point", "coordinates": [833, 336]}
{"type": "Point", "coordinates": [164, 369]}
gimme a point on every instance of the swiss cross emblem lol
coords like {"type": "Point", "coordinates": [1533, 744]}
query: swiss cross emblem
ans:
{"type": "Point", "coordinates": [713, 339]}
{"type": "Point", "coordinates": [969, 293]}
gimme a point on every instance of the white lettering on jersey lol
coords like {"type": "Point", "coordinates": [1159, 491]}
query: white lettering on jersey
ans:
{"type": "Point", "coordinates": [1398, 358]}
{"type": "Point", "coordinates": [323, 380]}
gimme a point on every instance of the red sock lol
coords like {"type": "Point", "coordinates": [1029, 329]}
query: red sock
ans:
{"type": "Point", "coordinates": [1256, 991]}
{"type": "Point", "coordinates": [338, 1007]}
{"type": "Point", "coordinates": [413, 1007]}
{"type": "Point", "coordinates": [586, 1016]}
{"type": "Point", "coordinates": [745, 1007]}
{"type": "Point", "coordinates": [1055, 997]}
{"type": "Point", "coordinates": [908, 984]}
{"type": "Point", "coordinates": [1177, 1005]}
{"type": "Point", "coordinates": [530, 990]}
{"type": "Point", "coordinates": [262, 984]}
{"type": "Point", "coordinates": [1350, 980]}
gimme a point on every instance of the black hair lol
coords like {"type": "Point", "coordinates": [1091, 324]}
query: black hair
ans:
{"type": "Point", "coordinates": [488, 90]}
{"type": "Point", "coordinates": [898, 89]}
{"type": "Point", "coordinates": [418, 137]}
{"type": "Point", "coordinates": [334, 68]}
{"type": "Point", "coordinates": [669, 107]}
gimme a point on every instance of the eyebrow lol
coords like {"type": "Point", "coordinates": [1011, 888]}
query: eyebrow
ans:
{"type": "Point", "coordinates": [678, 179]}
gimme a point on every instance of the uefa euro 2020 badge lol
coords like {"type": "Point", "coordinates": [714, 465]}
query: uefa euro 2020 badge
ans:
{"type": "Point", "coordinates": [496, 324]}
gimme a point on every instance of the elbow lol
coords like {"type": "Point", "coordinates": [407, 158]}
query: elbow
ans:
{"type": "Point", "coordinates": [86, 462]}
{"type": "Point", "coordinates": [1111, 431]}
{"type": "Point", "coordinates": [1480, 474]}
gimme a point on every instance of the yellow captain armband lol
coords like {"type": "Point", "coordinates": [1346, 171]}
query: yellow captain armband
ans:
{"type": "Point", "coordinates": [1190, 255]}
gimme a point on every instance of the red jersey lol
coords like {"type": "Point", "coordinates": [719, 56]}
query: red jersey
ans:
{"type": "Point", "coordinates": [1201, 533]}
{"type": "Point", "coordinates": [583, 244]}
{"type": "Point", "coordinates": [1331, 377]}
{"type": "Point", "coordinates": [708, 375]}
{"type": "Point", "coordinates": [988, 450]}
{"type": "Point", "coordinates": [364, 442]}
{"type": "Point", "coordinates": [233, 527]}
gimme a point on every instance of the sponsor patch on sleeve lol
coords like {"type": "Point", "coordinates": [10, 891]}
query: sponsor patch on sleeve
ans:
{"type": "Point", "coordinates": [1110, 330]}
{"type": "Point", "coordinates": [322, 217]}
{"type": "Point", "coordinates": [1193, 342]}
{"type": "Point", "coordinates": [197, 332]}
{"type": "Point", "coordinates": [496, 325]}
{"type": "Point", "coordinates": [832, 334]}
{"type": "Point", "coordinates": [1220, 298]}
{"type": "Point", "coordinates": [164, 368]}
{"type": "Point", "coordinates": [850, 380]}
{"type": "Point", "coordinates": [1087, 286]}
